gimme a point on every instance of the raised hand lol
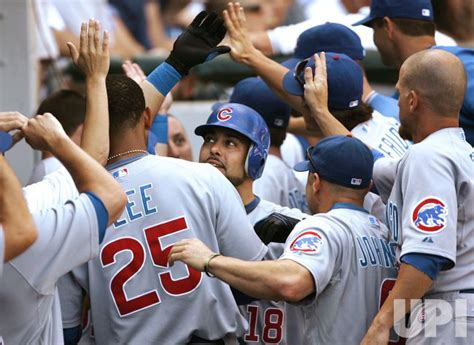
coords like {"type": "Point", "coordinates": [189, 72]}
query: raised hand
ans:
{"type": "Point", "coordinates": [93, 57]}
{"type": "Point", "coordinates": [240, 43]}
{"type": "Point", "coordinates": [198, 43]}
{"type": "Point", "coordinates": [133, 71]}
{"type": "Point", "coordinates": [316, 86]}
{"type": "Point", "coordinates": [44, 132]}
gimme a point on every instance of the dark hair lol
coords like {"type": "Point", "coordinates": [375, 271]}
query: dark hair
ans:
{"type": "Point", "coordinates": [352, 117]}
{"type": "Point", "coordinates": [126, 102]}
{"type": "Point", "coordinates": [277, 136]}
{"type": "Point", "coordinates": [410, 27]}
{"type": "Point", "coordinates": [68, 106]}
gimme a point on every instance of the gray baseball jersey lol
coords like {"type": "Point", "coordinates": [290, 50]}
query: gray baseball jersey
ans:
{"type": "Point", "coordinates": [430, 207]}
{"type": "Point", "coordinates": [278, 184]}
{"type": "Point", "coordinates": [272, 322]}
{"type": "Point", "coordinates": [381, 133]}
{"type": "Point", "coordinates": [135, 297]}
{"type": "Point", "coordinates": [68, 236]}
{"type": "Point", "coordinates": [69, 291]}
{"type": "Point", "coordinates": [349, 255]}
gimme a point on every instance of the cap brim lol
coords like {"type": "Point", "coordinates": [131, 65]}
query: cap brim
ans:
{"type": "Point", "coordinates": [302, 166]}
{"type": "Point", "coordinates": [291, 86]}
{"type": "Point", "coordinates": [6, 141]}
{"type": "Point", "coordinates": [366, 21]}
{"type": "Point", "coordinates": [291, 63]}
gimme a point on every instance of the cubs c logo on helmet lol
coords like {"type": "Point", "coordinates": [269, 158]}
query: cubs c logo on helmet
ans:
{"type": "Point", "coordinates": [308, 242]}
{"type": "Point", "coordinates": [224, 114]}
{"type": "Point", "coordinates": [429, 215]}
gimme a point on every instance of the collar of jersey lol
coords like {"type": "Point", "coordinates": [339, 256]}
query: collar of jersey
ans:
{"type": "Point", "coordinates": [252, 205]}
{"type": "Point", "coordinates": [348, 205]}
{"type": "Point", "coordinates": [124, 161]}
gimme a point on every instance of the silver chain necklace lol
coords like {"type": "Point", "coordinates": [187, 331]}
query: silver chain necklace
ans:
{"type": "Point", "coordinates": [126, 153]}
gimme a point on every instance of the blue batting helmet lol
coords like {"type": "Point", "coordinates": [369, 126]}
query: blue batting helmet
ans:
{"type": "Point", "coordinates": [249, 123]}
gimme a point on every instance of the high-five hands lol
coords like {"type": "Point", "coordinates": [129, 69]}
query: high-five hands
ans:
{"type": "Point", "coordinates": [92, 57]}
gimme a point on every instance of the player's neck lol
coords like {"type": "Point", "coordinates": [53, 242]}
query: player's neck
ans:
{"type": "Point", "coordinates": [328, 202]}
{"type": "Point", "coordinates": [246, 192]}
{"type": "Point", "coordinates": [412, 45]}
{"type": "Point", "coordinates": [431, 126]}
{"type": "Point", "coordinates": [130, 140]}
{"type": "Point", "coordinates": [275, 151]}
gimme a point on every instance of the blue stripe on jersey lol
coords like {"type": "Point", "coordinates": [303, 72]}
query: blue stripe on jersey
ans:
{"type": "Point", "coordinates": [387, 106]}
{"type": "Point", "coordinates": [252, 205]}
{"type": "Point", "coordinates": [377, 154]}
{"type": "Point", "coordinates": [101, 212]}
{"type": "Point", "coordinates": [124, 161]}
{"type": "Point", "coordinates": [348, 205]}
{"type": "Point", "coordinates": [429, 264]}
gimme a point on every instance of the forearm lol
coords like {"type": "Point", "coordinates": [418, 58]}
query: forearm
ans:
{"type": "Point", "coordinates": [95, 135]}
{"type": "Point", "coordinates": [260, 279]}
{"type": "Point", "coordinates": [17, 222]}
{"type": "Point", "coordinates": [411, 284]}
{"type": "Point", "coordinates": [328, 124]}
{"type": "Point", "coordinates": [90, 176]}
{"type": "Point", "coordinates": [273, 73]}
{"type": "Point", "coordinates": [153, 98]}
{"type": "Point", "coordinates": [298, 126]}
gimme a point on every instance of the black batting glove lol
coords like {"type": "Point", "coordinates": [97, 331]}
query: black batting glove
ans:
{"type": "Point", "coordinates": [198, 43]}
{"type": "Point", "coordinates": [275, 228]}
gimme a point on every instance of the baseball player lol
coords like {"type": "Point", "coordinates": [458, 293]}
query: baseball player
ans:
{"type": "Point", "coordinates": [135, 296]}
{"type": "Point", "coordinates": [68, 236]}
{"type": "Point", "coordinates": [334, 262]}
{"type": "Point", "coordinates": [404, 27]}
{"type": "Point", "coordinates": [429, 196]}
{"type": "Point", "coordinates": [278, 182]}
{"type": "Point", "coordinates": [345, 90]}
{"type": "Point", "coordinates": [134, 293]}
{"type": "Point", "coordinates": [17, 230]}
{"type": "Point", "coordinates": [236, 142]}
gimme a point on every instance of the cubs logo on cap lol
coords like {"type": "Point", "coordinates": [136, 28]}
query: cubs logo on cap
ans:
{"type": "Point", "coordinates": [429, 215]}
{"type": "Point", "coordinates": [224, 114]}
{"type": "Point", "coordinates": [308, 242]}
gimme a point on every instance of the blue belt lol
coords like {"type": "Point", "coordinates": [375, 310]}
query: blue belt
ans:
{"type": "Point", "coordinates": [467, 291]}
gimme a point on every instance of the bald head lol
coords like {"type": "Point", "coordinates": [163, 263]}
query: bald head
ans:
{"type": "Point", "coordinates": [438, 77]}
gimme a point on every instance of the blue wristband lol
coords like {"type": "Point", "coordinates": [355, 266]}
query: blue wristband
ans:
{"type": "Point", "coordinates": [164, 78]}
{"type": "Point", "coordinates": [159, 128]}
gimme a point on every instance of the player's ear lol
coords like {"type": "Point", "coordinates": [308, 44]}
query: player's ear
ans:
{"type": "Point", "coordinates": [316, 185]}
{"type": "Point", "coordinates": [148, 116]}
{"type": "Point", "coordinates": [389, 27]}
{"type": "Point", "coordinates": [413, 100]}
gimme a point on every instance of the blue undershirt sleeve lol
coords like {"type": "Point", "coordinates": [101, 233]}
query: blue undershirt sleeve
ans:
{"type": "Point", "coordinates": [429, 264]}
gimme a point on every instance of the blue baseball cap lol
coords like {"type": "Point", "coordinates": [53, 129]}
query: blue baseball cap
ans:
{"type": "Point", "coordinates": [342, 160]}
{"type": "Point", "coordinates": [329, 37]}
{"type": "Point", "coordinates": [345, 80]}
{"type": "Point", "coordinates": [408, 9]}
{"type": "Point", "coordinates": [255, 93]}
{"type": "Point", "coordinates": [6, 141]}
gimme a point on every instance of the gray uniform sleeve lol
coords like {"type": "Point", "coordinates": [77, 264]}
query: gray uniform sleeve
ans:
{"type": "Point", "coordinates": [312, 246]}
{"type": "Point", "coordinates": [68, 236]}
{"type": "Point", "coordinates": [385, 171]}
{"type": "Point", "coordinates": [53, 191]}
{"type": "Point", "coordinates": [234, 231]}
{"type": "Point", "coordinates": [429, 213]}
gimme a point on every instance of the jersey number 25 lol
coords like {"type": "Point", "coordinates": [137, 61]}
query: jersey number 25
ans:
{"type": "Point", "coordinates": [159, 257]}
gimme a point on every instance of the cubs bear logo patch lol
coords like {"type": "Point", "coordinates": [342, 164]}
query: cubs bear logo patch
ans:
{"type": "Point", "coordinates": [224, 114]}
{"type": "Point", "coordinates": [308, 242]}
{"type": "Point", "coordinates": [429, 215]}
